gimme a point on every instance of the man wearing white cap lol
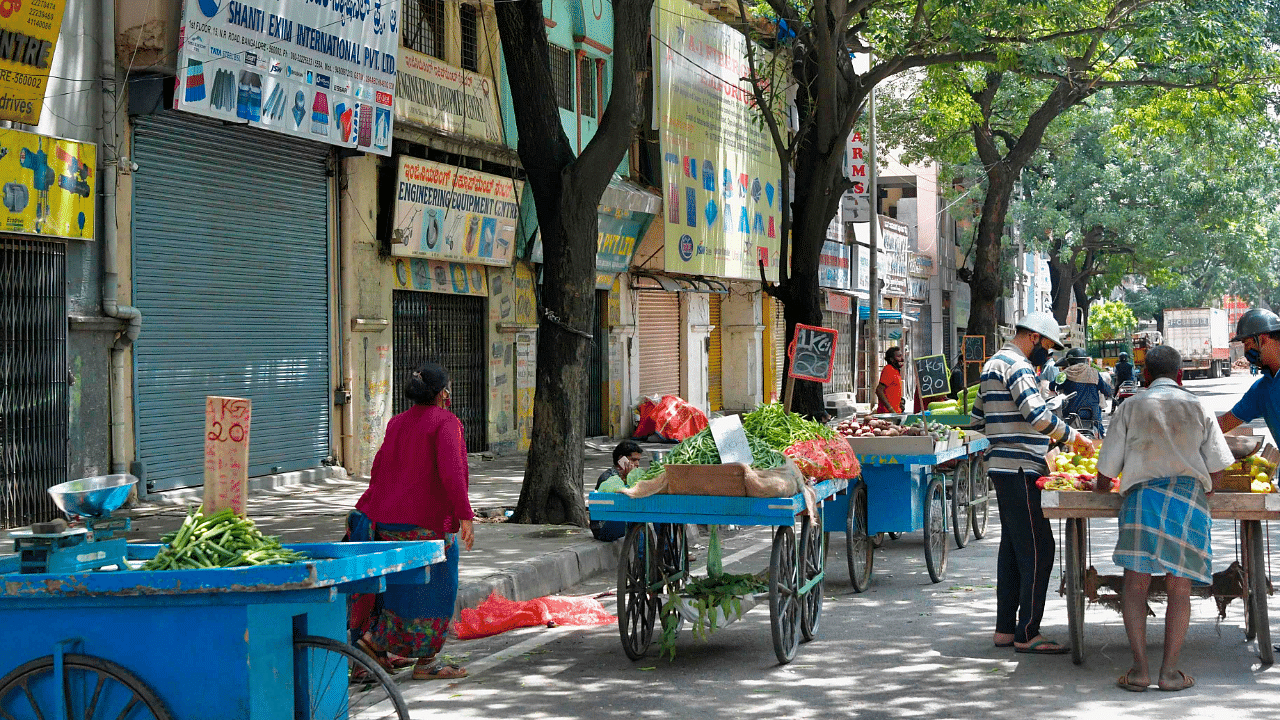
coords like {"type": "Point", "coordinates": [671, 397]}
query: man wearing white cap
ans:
{"type": "Point", "coordinates": [1011, 412]}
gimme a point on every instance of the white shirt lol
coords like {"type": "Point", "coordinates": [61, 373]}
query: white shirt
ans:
{"type": "Point", "coordinates": [1163, 431]}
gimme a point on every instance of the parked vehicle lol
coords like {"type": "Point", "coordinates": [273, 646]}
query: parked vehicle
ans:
{"type": "Point", "coordinates": [1201, 336]}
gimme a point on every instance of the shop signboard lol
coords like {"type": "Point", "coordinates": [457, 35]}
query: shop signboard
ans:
{"type": "Point", "coordinates": [437, 95]}
{"type": "Point", "coordinates": [28, 36]}
{"type": "Point", "coordinates": [921, 265]}
{"type": "Point", "coordinates": [444, 212]}
{"type": "Point", "coordinates": [961, 301]}
{"type": "Point", "coordinates": [449, 278]}
{"type": "Point", "coordinates": [620, 230]}
{"type": "Point", "coordinates": [720, 171]}
{"type": "Point", "coordinates": [50, 185]}
{"type": "Point", "coordinates": [918, 289]}
{"type": "Point", "coordinates": [838, 303]}
{"type": "Point", "coordinates": [834, 266]}
{"type": "Point", "coordinates": [857, 200]}
{"type": "Point", "coordinates": [895, 239]}
{"type": "Point", "coordinates": [324, 71]}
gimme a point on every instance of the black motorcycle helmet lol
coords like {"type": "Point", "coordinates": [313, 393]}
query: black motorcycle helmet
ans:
{"type": "Point", "coordinates": [1124, 357]}
{"type": "Point", "coordinates": [1258, 321]}
{"type": "Point", "coordinates": [1076, 356]}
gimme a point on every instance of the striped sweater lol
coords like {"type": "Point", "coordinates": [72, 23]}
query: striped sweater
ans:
{"type": "Point", "coordinates": [1013, 416]}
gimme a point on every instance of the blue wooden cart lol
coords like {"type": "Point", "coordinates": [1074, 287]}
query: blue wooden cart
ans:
{"type": "Point", "coordinates": [909, 493]}
{"type": "Point", "coordinates": [655, 558]}
{"type": "Point", "coordinates": [253, 643]}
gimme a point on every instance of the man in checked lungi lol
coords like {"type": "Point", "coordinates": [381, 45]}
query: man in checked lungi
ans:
{"type": "Point", "coordinates": [1170, 450]}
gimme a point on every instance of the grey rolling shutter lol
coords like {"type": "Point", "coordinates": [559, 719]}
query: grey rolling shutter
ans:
{"type": "Point", "coordinates": [231, 272]}
{"type": "Point", "coordinates": [659, 318]}
{"type": "Point", "coordinates": [842, 374]}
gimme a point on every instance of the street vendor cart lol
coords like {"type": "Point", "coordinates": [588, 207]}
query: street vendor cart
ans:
{"type": "Point", "coordinates": [911, 484]}
{"type": "Point", "coordinates": [87, 634]}
{"type": "Point", "coordinates": [1082, 582]}
{"type": "Point", "coordinates": [655, 563]}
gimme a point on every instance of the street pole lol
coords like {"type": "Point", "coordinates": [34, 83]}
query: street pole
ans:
{"type": "Point", "coordinates": [873, 338]}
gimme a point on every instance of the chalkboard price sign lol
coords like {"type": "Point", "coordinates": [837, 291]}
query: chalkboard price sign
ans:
{"type": "Point", "coordinates": [975, 348]}
{"type": "Point", "coordinates": [933, 376]}
{"type": "Point", "coordinates": [812, 353]}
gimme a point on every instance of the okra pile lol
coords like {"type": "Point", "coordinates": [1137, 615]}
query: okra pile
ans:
{"type": "Point", "coordinates": [220, 540]}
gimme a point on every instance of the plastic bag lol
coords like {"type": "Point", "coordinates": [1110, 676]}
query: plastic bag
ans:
{"type": "Point", "coordinates": [497, 614]}
{"type": "Point", "coordinates": [824, 459]}
{"type": "Point", "coordinates": [669, 417]}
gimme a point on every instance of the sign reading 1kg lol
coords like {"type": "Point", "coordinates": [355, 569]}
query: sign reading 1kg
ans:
{"type": "Point", "coordinates": [812, 353]}
{"type": "Point", "coordinates": [933, 376]}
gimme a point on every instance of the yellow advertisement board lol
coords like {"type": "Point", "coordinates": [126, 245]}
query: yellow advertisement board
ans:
{"type": "Point", "coordinates": [721, 175]}
{"type": "Point", "coordinates": [49, 185]}
{"type": "Point", "coordinates": [28, 34]}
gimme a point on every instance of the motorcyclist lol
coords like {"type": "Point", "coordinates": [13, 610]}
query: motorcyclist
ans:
{"type": "Point", "coordinates": [1124, 369]}
{"type": "Point", "coordinates": [1259, 331]}
{"type": "Point", "coordinates": [1083, 379]}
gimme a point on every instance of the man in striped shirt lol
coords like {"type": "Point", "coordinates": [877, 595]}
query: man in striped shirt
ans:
{"type": "Point", "coordinates": [1011, 412]}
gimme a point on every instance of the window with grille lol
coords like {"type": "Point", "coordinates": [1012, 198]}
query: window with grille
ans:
{"type": "Point", "coordinates": [424, 27]}
{"type": "Point", "coordinates": [562, 76]}
{"type": "Point", "coordinates": [587, 83]}
{"type": "Point", "coordinates": [468, 20]}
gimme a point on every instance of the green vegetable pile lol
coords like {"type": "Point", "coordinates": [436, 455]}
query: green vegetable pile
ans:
{"type": "Point", "coordinates": [220, 540]}
{"type": "Point", "coordinates": [708, 595]}
{"type": "Point", "coordinates": [782, 429]}
{"type": "Point", "coordinates": [701, 449]}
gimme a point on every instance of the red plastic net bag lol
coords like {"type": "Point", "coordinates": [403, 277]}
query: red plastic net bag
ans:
{"type": "Point", "coordinates": [671, 417]}
{"type": "Point", "coordinates": [823, 459]}
{"type": "Point", "coordinates": [497, 614]}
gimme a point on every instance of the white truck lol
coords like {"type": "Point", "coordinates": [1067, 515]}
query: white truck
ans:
{"type": "Point", "coordinates": [1202, 337]}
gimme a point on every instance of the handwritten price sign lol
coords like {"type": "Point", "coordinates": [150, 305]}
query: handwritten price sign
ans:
{"type": "Point", "coordinates": [812, 353]}
{"type": "Point", "coordinates": [933, 376]}
{"type": "Point", "coordinates": [226, 453]}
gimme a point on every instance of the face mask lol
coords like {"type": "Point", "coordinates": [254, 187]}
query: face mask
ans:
{"type": "Point", "coordinates": [1254, 356]}
{"type": "Point", "coordinates": [1039, 355]}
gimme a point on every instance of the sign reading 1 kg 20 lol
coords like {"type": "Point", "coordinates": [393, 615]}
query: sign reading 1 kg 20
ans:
{"type": "Point", "coordinates": [933, 376]}
{"type": "Point", "coordinates": [813, 353]}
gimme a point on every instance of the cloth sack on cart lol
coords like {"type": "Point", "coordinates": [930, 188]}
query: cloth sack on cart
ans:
{"type": "Point", "coordinates": [670, 418]}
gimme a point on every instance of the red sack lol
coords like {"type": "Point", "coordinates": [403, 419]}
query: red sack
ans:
{"type": "Point", "coordinates": [497, 614]}
{"type": "Point", "coordinates": [825, 459]}
{"type": "Point", "coordinates": [671, 418]}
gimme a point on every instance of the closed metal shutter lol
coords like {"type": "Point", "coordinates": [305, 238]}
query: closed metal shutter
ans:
{"type": "Point", "coordinates": [842, 373]}
{"type": "Point", "coordinates": [33, 378]}
{"type": "Point", "coordinates": [779, 345]}
{"type": "Point", "coordinates": [231, 273]}
{"type": "Point", "coordinates": [659, 319]}
{"type": "Point", "coordinates": [447, 330]}
{"type": "Point", "coordinates": [715, 362]}
{"type": "Point", "coordinates": [599, 373]}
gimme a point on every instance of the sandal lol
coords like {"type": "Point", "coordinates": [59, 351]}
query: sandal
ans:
{"type": "Point", "coordinates": [1039, 648]}
{"type": "Point", "coordinates": [382, 658]}
{"type": "Point", "coordinates": [1124, 684]}
{"type": "Point", "coordinates": [1187, 681]}
{"type": "Point", "coordinates": [438, 671]}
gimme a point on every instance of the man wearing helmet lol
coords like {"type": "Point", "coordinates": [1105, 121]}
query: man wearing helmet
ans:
{"type": "Point", "coordinates": [1011, 412]}
{"type": "Point", "coordinates": [1259, 331]}
{"type": "Point", "coordinates": [1083, 379]}
{"type": "Point", "coordinates": [1124, 369]}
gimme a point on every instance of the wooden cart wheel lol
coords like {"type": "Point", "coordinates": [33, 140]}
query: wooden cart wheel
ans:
{"type": "Point", "coordinates": [980, 497]}
{"type": "Point", "coordinates": [861, 554]}
{"type": "Point", "coordinates": [1258, 592]}
{"type": "Point", "coordinates": [961, 491]}
{"type": "Point", "coordinates": [637, 602]}
{"type": "Point", "coordinates": [335, 680]}
{"type": "Point", "coordinates": [935, 530]}
{"type": "Point", "coordinates": [813, 554]}
{"type": "Point", "coordinates": [784, 594]}
{"type": "Point", "coordinates": [1075, 586]}
{"type": "Point", "coordinates": [91, 688]}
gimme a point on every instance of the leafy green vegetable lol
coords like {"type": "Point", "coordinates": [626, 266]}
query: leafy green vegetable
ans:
{"type": "Point", "coordinates": [724, 592]}
{"type": "Point", "coordinates": [700, 449]}
{"type": "Point", "coordinates": [222, 539]}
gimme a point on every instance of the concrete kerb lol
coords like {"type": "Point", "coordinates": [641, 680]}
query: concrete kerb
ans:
{"type": "Point", "coordinates": [543, 575]}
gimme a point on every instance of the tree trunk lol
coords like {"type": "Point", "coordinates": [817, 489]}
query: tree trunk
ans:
{"type": "Point", "coordinates": [1063, 278]}
{"type": "Point", "coordinates": [566, 192]}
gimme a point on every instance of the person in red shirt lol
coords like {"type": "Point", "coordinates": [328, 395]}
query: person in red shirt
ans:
{"type": "Point", "coordinates": [417, 491]}
{"type": "Point", "coordinates": [889, 391]}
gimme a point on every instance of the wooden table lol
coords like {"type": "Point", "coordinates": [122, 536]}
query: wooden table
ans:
{"type": "Point", "coordinates": [1248, 509]}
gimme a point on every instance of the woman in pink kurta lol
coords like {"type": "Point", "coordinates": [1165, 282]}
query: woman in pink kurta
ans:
{"type": "Point", "coordinates": [417, 491]}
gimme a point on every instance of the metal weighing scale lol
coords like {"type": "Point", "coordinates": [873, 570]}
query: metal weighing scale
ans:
{"type": "Point", "coordinates": [57, 547]}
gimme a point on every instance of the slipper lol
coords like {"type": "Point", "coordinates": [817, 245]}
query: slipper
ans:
{"type": "Point", "coordinates": [1124, 684]}
{"type": "Point", "coordinates": [440, 672]}
{"type": "Point", "coordinates": [380, 656]}
{"type": "Point", "coordinates": [1187, 681]}
{"type": "Point", "coordinates": [400, 663]}
{"type": "Point", "coordinates": [1038, 648]}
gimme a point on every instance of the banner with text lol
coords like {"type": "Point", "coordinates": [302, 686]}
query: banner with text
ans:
{"type": "Point", "coordinates": [896, 240]}
{"type": "Point", "coordinates": [448, 278]}
{"type": "Point", "coordinates": [28, 36]}
{"type": "Point", "coordinates": [311, 69]}
{"type": "Point", "coordinates": [49, 186]}
{"type": "Point", "coordinates": [720, 169]}
{"type": "Point", "coordinates": [834, 269]}
{"type": "Point", "coordinates": [435, 94]}
{"type": "Point", "coordinates": [444, 212]}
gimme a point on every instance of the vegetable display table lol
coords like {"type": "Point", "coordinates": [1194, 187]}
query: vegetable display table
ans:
{"type": "Point", "coordinates": [1080, 581]}
{"type": "Point", "coordinates": [247, 643]}
{"type": "Point", "coordinates": [911, 492]}
{"type": "Point", "coordinates": [655, 559]}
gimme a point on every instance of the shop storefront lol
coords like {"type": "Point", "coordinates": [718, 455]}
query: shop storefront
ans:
{"type": "Point", "coordinates": [231, 241]}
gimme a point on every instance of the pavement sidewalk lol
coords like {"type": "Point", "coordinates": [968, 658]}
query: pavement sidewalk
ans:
{"type": "Point", "coordinates": [520, 562]}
